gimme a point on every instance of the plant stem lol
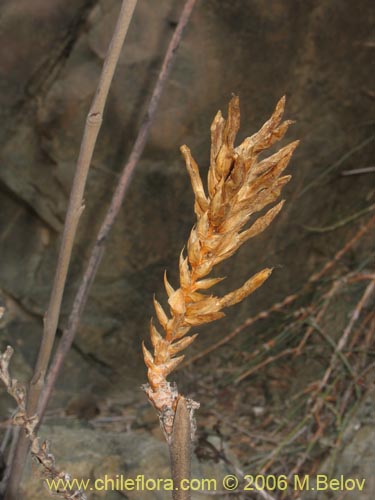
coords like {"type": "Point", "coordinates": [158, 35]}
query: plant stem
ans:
{"type": "Point", "coordinates": [340, 223]}
{"type": "Point", "coordinates": [342, 342]}
{"type": "Point", "coordinates": [337, 164]}
{"type": "Point", "coordinates": [74, 211]}
{"type": "Point", "coordinates": [180, 450]}
{"type": "Point", "coordinates": [116, 202]}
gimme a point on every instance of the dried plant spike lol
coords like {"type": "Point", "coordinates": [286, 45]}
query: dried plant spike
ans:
{"type": "Point", "coordinates": [238, 187]}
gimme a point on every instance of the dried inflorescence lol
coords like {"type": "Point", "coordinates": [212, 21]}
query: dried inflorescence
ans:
{"type": "Point", "coordinates": [239, 186]}
{"type": "Point", "coordinates": [40, 451]}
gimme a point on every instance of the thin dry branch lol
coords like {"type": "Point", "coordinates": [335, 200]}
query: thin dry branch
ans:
{"type": "Point", "coordinates": [317, 179]}
{"type": "Point", "coordinates": [327, 299]}
{"type": "Point", "coordinates": [343, 341]}
{"type": "Point", "coordinates": [239, 187]}
{"type": "Point", "coordinates": [358, 235]}
{"type": "Point", "coordinates": [75, 207]}
{"type": "Point", "coordinates": [116, 202]}
{"type": "Point", "coordinates": [341, 222]}
{"type": "Point", "coordinates": [256, 369]}
{"type": "Point", "coordinates": [316, 402]}
{"type": "Point", "coordinates": [74, 211]}
{"type": "Point", "coordinates": [39, 451]}
{"type": "Point", "coordinates": [359, 171]}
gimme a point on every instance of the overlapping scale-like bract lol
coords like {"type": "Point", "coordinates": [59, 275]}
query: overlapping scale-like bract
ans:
{"type": "Point", "coordinates": [238, 186]}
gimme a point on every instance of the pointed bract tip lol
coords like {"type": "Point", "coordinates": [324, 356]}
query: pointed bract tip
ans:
{"type": "Point", "coordinates": [147, 356]}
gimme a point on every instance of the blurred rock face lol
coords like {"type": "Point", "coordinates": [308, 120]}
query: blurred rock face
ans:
{"type": "Point", "coordinates": [102, 456]}
{"type": "Point", "coordinates": [50, 60]}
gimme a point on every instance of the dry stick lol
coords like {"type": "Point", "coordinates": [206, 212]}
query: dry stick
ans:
{"type": "Point", "coordinates": [180, 450]}
{"type": "Point", "coordinates": [279, 306]}
{"type": "Point", "coordinates": [361, 328]}
{"type": "Point", "coordinates": [270, 359]}
{"type": "Point", "coordinates": [117, 199]}
{"type": "Point", "coordinates": [340, 346]}
{"type": "Point", "coordinates": [327, 300]}
{"type": "Point", "coordinates": [369, 339]}
{"type": "Point", "coordinates": [370, 317]}
{"type": "Point", "coordinates": [343, 251]}
{"type": "Point", "coordinates": [359, 171]}
{"type": "Point", "coordinates": [361, 277]}
{"type": "Point", "coordinates": [341, 222]}
{"type": "Point", "coordinates": [74, 211]}
{"type": "Point", "coordinates": [337, 354]}
{"type": "Point", "coordinates": [76, 206]}
{"type": "Point", "coordinates": [343, 340]}
{"type": "Point", "coordinates": [337, 164]}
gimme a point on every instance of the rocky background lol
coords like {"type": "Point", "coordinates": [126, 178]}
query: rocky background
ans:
{"type": "Point", "coordinates": [317, 53]}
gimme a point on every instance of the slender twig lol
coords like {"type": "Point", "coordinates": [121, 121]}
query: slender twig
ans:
{"type": "Point", "coordinates": [368, 341]}
{"type": "Point", "coordinates": [292, 436]}
{"type": "Point", "coordinates": [337, 164]}
{"type": "Point", "coordinates": [359, 171]}
{"type": "Point", "coordinates": [337, 284]}
{"type": "Point", "coordinates": [343, 340]}
{"type": "Point", "coordinates": [361, 277]}
{"type": "Point", "coordinates": [74, 211]}
{"type": "Point", "coordinates": [116, 202]}
{"type": "Point", "coordinates": [317, 403]}
{"type": "Point", "coordinates": [340, 223]}
{"type": "Point", "coordinates": [339, 255]}
{"type": "Point", "coordinates": [270, 359]}
{"type": "Point", "coordinates": [332, 344]}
